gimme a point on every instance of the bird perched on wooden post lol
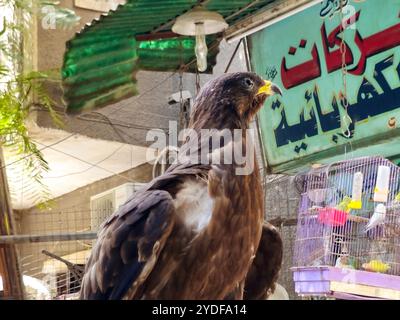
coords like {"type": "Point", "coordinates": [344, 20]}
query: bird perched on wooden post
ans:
{"type": "Point", "coordinates": [193, 232]}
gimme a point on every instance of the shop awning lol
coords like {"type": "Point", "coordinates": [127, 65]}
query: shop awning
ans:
{"type": "Point", "coordinates": [101, 60]}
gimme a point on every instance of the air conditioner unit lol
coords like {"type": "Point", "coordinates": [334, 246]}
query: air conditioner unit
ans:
{"type": "Point", "coordinates": [104, 204]}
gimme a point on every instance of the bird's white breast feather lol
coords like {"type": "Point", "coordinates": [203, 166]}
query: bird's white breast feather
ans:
{"type": "Point", "coordinates": [194, 205]}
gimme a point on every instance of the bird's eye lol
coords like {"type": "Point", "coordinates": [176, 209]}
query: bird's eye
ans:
{"type": "Point", "coordinates": [248, 83]}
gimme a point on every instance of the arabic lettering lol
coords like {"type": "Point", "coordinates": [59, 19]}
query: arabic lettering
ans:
{"type": "Point", "coordinates": [374, 44]}
{"type": "Point", "coordinates": [271, 73]}
{"type": "Point", "coordinates": [285, 133]}
{"type": "Point", "coordinates": [367, 90]}
{"type": "Point", "coordinates": [330, 7]}
{"type": "Point", "coordinates": [275, 104]}
{"type": "Point", "coordinates": [369, 103]}
{"type": "Point", "coordinates": [302, 73]}
{"type": "Point", "coordinates": [373, 104]}
{"type": "Point", "coordinates": [368, 47]}
{"type": "Point", "coordinates": [303, 146]}
{"type": "Point", "coordinates": [328, 121]}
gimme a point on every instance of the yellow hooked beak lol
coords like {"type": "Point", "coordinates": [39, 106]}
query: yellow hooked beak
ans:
{"type": "Point", "coordinates": [269, 89]}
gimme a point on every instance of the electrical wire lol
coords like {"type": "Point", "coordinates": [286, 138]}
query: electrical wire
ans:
{"type": "Point", "coordinates": [85, 161]}
{"type": "Point", "coordinates": [233, 56]}
{"type": "Point", "coordinates": [91, 166]}
{"type": "Point", "coordinates": [120, 123]}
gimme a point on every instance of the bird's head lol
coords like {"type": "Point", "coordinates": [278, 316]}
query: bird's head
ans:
{"type": "Point", "coordinates": [249, 92]}
{"type": "Point", "coordinates": [239, 94]}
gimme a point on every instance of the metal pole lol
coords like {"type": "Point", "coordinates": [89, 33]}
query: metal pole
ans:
{"type": "Point", "coordinates": [28, 238]}
{"type": "Point", "coordinates": [9, 266]}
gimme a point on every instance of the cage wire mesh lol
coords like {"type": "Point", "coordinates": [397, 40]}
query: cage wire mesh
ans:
{"type": "Point", "coordinates": [52, 266]}
{"type": "Point", "coordinates": [349, 216]}
{"type": "Point", "coordinates": [281, 204]}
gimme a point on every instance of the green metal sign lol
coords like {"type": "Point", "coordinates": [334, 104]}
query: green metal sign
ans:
{"type": "Point", "coordinates": [319, 118]}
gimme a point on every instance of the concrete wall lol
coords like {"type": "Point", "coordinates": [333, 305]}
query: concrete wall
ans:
{"type": "Point", "coordinates": [51, 42]}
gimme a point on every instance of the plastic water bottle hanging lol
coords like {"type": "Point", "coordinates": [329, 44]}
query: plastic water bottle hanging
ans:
{"type": "Point", "coordinates": [382, 184]}
{"type": "Point", "coordinates": [356, 202]}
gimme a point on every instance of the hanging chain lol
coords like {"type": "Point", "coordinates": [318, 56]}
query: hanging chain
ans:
{"type": "Point", "coordinates": [181, 72]}
{"type": "Point", "coordinates": [182, 111]}
{"type": "Point", "coordinates": [197, 82]}
{"type": "Point", "coordinates": [181, 88]}
{"type": "Point", "coordinates": [346, 118]}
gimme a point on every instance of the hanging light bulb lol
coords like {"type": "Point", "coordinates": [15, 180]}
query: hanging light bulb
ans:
{"type": "Point", "coordinates": [201, 47]}
{"type": "Point", "coordinates": [200, 22]}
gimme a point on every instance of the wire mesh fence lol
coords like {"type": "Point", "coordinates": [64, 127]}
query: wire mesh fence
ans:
{"type": "Point", "coordinates": [53, 247]}
{"type": "Point", "coordinates": [281, 205]}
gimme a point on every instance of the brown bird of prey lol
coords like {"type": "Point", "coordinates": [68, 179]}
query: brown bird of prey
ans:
{"type": "Point", "coordinates": [193, 232]}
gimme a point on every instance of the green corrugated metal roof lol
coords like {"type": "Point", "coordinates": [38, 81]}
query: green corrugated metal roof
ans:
{"type": "Point", "coordinates": [101, 61]}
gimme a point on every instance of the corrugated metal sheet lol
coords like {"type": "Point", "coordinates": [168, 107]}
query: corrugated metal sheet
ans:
{"type": "Point", "coordinates": [101, 61]}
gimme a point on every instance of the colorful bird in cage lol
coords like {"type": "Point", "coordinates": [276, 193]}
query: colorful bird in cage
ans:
{"type": "Point", "coordinates": [347, 262]}
{"type": "Point", "coordinates": [344, 205]}
{"type": "Point", "coordinates": [397, 197]}
{"type": "Point", "coordinates": [376, 266]}
{"type": "Point", "coordinates": [344, 261]}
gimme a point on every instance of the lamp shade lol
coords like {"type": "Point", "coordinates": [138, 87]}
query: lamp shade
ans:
{"type": "Point", "coordinates": [213, 22]}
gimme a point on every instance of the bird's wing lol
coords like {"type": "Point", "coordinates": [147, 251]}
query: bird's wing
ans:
{"type": "Point", "coordinates": [128, 246]}
{"type": "Point", "coordinates": [264, 271]}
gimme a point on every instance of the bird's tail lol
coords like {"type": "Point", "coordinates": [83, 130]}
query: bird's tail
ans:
{"type": "Point", "coordinates": [369, 226]}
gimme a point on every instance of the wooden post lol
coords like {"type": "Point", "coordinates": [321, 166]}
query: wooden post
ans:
{"type": "Point", "coordinates": [9, 266]}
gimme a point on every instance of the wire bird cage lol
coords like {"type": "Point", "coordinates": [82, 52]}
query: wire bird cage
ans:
{"type": "Point", "coordinates": [53, 244]}
{"type": "Point", "coordinates": [53, 247]}
{"type": "Point", "coordinates": [348, 231]}
{"type": "Point", "coordinates": [52, 262]}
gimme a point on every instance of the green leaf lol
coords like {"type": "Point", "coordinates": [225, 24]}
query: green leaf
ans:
{"type": "Point", "coordinates": [35, 75]}
{"type": "Point", "coordinates": [23, 91]}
